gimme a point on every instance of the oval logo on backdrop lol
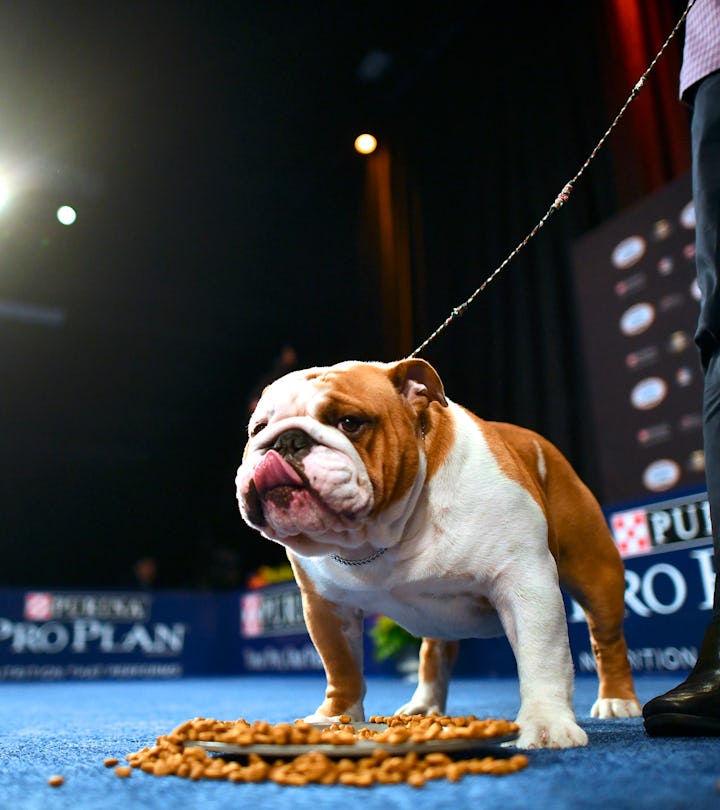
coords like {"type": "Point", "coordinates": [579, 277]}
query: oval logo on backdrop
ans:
{"type": "Point", "coordinates": [687, 216]}
{"type": "Point", "coordinates": [661, 475]}
{"type": "Point", "coordinates": [628, 252]}
{"type": "Point", "coordinates": [648, 393]}
{"type": "Point", "coordinates": [637, 319]}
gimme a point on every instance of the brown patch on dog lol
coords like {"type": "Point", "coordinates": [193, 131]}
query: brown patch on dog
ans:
{"type": "Point", "coordinates": [439, 437]}
{"type": "Point", "coordinates": [437, 659]}
{"type": "Point", "coordinates": [515, 450]}
{"type": "Point", "coordinates": [387, 442]}
{"type": "Point", "coordinates": [345, 683]}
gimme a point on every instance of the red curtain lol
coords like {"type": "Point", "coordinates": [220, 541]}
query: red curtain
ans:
{"type": "Point", "coordinates": [651, 144]}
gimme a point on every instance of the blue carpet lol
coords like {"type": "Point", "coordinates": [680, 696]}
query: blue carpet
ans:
{"type": "Point", "coordinates": [70, 728]}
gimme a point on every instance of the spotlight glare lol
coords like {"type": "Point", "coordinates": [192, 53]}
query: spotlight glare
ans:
{"type": "Point", "coordinates": [4, 194]}
{"type": "Point", "coordinates": [66, 215]}
{"type": "Point", "coordinates": [365, 144]}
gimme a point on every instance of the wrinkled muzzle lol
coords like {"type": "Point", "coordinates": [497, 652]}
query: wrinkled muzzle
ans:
{"type": "Point", "coordinates": [293, 483]}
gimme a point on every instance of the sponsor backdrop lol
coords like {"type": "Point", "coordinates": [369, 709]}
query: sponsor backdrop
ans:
{"type": "Point", "coordinates": [638, 303]}
{"type": "Point", "coordinates": [60, 635]}
{"type": "Point", "coordinates": [88, 635]}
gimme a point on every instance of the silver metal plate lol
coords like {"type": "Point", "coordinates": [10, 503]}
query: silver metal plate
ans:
{"type": "Point", "coordinates": [490, 746]}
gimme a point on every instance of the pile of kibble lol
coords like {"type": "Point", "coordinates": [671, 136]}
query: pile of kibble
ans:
{"type": "Point", "coordinates": [172, 757]}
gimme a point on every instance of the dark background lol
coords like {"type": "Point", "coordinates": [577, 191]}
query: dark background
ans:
{"type": "Point", "coordinates": [223, 215]}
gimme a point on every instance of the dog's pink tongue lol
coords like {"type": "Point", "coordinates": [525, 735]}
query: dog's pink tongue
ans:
{"type": "Point", "coordinates": [273, 471]}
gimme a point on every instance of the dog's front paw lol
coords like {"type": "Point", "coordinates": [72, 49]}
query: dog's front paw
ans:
{"type": "Point", "coordinates": [429, 698]}
{"type": "Point", "coordinates": [330, 711]}
{"type": "Point", "coordinates": [420, 707]}
{"type": "Point", "coordinates": [317, 717]}
{"type": "Point", "coordinates": [550, 733]}
{"type": "Point", "coordinates": [615, 707]}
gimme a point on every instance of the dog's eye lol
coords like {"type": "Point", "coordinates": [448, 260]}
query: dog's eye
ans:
{"type": "Point", "coordinates": [350, 425]}
{"type": "Point", "coordinates": [255, 429]}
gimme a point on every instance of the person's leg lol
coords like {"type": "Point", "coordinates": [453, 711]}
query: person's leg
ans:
{"type": "Point", "coordinates": [706, 194]}
{"type": "Point", "coordinates": [711, 432]}
{"type": "Point", "coordinates": [705, 133]}
{"type": "Point", "coordinates": [693, 707]}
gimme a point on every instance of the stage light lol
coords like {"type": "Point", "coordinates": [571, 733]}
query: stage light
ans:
{"type": "Point", "coordinates": [365, 144]}
{"type": "Point", "coordinates": [66, 215]}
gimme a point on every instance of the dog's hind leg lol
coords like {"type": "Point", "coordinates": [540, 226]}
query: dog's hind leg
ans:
{"type": "Point", "coordinates": [437, 659]}
{"type": "Point", "coordinates": [592, 571]}
{"type": "Point", "coordinates": [603, 601]}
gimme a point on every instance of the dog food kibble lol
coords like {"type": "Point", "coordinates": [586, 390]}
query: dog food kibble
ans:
{"type": "Point", "coordinates": [170, 756]}
{"type": "Point", "coordinates": [123, 771]}
{"type": "Point", "coordinates": [56, 781]}
{"type": "Point", "coordinates": [110, 762]}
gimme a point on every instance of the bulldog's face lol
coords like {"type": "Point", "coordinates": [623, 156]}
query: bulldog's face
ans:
{"type": "Point", "coordinates": [330, 450]}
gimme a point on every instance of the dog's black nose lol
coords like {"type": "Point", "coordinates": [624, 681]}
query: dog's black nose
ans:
{"type": "Point", "coordinates": [293, 443]}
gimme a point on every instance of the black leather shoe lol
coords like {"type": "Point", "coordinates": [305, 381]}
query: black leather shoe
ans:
{"type": "Point", "coordinates": [693, 707]}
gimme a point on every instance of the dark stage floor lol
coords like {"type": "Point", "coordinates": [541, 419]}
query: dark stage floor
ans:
{"type": "Point", "coordinates": [70, 728]}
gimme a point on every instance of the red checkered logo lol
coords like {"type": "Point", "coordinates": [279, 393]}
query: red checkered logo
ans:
{"type": "Point", "coordinates": [38, 607]}
{"type": "Point", "coordinates": [631, 532]}
{"type": "Point", "coordinates": [251, 615]}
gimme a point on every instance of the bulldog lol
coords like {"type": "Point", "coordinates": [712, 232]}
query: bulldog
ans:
{"type": "Point", "coordinates": [393, 500]}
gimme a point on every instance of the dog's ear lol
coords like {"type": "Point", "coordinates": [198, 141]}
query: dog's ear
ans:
{"type": "Point", "coordinates": [418, 382]}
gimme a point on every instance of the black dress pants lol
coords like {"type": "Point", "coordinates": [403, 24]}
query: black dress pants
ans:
{"type": "Point", "coordinates": [705, 131]}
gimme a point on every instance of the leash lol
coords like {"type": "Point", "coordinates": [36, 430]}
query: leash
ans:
{"type": "Point", "coordinates": [561, 198]}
